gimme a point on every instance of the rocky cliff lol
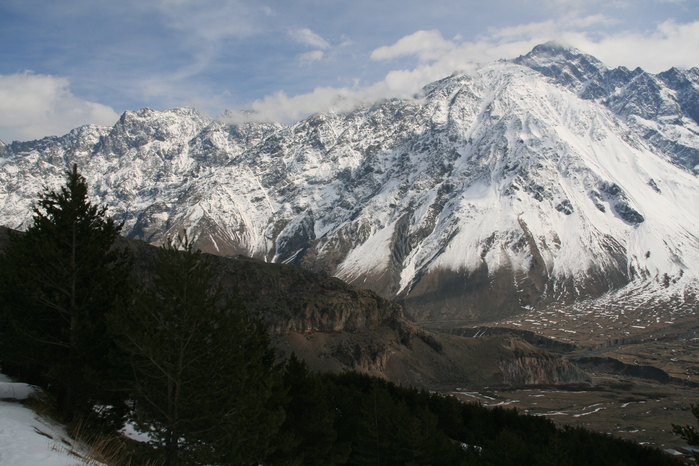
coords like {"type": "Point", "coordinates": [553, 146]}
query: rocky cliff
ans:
{"type": "Point", "coordinates": [534, 367]}
{"type": "Point", "coordinates": [336, 327]}
{"type": "Point", "coordinates": [546, 179]}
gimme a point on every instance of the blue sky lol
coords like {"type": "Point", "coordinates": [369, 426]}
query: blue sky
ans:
{"type": "Point", "coordinates": [72, 62]}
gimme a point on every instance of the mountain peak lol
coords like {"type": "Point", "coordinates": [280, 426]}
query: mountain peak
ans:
{"type": "Point", "coordinates": [502, 188]}
{"type": "Point", "coordinates": [557, 52]}
{"type": "Point", "coordinates": [567, 66]}
{"type": "Point", "coordinates": [553, 48]}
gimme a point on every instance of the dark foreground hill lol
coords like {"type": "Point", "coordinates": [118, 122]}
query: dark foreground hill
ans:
{"type": "Point", "coordinates": [349, 333]}
{"type": "Point", "coordinates": [337, 327]}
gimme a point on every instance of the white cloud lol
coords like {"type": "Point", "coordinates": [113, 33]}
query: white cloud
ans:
{"type": "Point", "coordinates": [307, 37]}
{"type": "Point", "coordinates": [33, 106]}
{"type": "Point", "coordinates": [547, 29]}
{"type": "Point", "coordinates": [280, 107]}
{"type": "Point", "coordinates": [671, 44]}
{"type": "Point", "coordinates": [311, 56]}
{"type": "Point", "coordinates": [427, 45]}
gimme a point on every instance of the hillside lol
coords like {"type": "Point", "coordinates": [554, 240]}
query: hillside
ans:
{"type": "Point", "coordinates": [336, 327]}
{"type": "Point", "coordinates": [544, 180]}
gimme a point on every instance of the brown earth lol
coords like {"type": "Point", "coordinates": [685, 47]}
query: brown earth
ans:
{"type": "Point", "coordinates": [625, 407]}
{"type": "Point", "coordinates": [643, 356]}
{"type": "Point", "coordinates": [337, 327]}
{"type": "Point", "coordinates": [501, 360]}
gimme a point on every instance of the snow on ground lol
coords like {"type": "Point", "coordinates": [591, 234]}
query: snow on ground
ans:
{"type": "Point", "coordinates": [27, 439]}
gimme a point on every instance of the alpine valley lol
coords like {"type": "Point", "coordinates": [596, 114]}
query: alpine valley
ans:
{"type": "Point", "coordinates": [545, 207]}
{"type": "Point", "coordinates": [547, 183]}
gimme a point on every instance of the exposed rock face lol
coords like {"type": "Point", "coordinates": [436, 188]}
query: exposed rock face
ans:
{"type": "Point", "coordinates": [336, 327]}
{"type": "Point", "coordinates": [546, 179]}
{"type": "Point", "coordinates": [542, 370]}
{"type": "Point", "coordinates": [527, 365]}
{"type": "Point", "coordinates": [292, 299]}
{"type": "Point", "coordinates": [296, 300]}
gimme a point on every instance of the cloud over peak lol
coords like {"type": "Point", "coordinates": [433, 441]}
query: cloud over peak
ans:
{"type": "Point", "coordinates": [33, 106]}
{"type": "Point", "coordinates": [428, 45]}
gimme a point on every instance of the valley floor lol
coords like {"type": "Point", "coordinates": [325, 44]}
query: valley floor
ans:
{"type": "Point", "coordinates": [642, 351]}
{"type": "Point", "coordinates": [621, 406]}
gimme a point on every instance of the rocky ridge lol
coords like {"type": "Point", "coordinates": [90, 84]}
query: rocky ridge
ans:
{"type": "Point", "coordinates": [545, 179]}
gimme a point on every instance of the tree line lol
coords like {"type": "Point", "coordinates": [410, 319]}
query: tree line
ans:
{"type": "Point", "coordinates": [180, 358]}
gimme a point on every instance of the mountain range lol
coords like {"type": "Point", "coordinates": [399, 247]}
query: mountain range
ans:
{"type": "Point", "coordinates": [543, 180]}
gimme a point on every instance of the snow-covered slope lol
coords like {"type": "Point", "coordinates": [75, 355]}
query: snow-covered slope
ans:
{"type": "Point", "coordinates": [548, 178]}
{"type": "Point", "coordinates": [28, 439]}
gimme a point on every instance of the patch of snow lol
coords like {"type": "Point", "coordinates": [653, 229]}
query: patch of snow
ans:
{"type": "Point", "coordinates": [29, 440]}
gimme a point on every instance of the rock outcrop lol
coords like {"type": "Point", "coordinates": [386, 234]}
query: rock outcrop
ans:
{"type": "Point", "coordinates": [542, 180]}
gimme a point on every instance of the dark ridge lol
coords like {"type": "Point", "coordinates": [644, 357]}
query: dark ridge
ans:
{"type": "Point", "coordinates": [614, 366]}
{"type": "Point", "coordinates": [336, 328]}
{"type": "Point", "coordinates": [530, 337]}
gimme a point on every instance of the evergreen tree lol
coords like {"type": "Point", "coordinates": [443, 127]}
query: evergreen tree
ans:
{"type": "Point", "coordinates": [204, 376]}
{"type": "Point", "coordinates": [689, 433]}
{"type": "Point", "coordinates": [392, 434]}
{"type": "Point", "coordinates": [58, 281]}
{"type": "Point", "coordinates": [555, 453]}
{"type": "Point", "coordinates": [307, 435]}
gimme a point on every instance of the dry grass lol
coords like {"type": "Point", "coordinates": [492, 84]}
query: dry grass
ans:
{"type": "Point", "coordinates": [86, 442]}
{"type": "Point", "coordinates": [43, 405]}
{"type": "Point", "coordinates": [98, 449]}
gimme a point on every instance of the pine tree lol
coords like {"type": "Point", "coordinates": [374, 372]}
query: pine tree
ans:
{"type": "Point", "coordinates": [307, 435]}
{"type": "Point", "coordinates": [204, 375]}
{"type": "Point", "coordinates": [59, 279]}
{"type": "Point", "coordinates": [555, 453]}
{"type": "Point", "coordinates": [390, 434]}
{"type": "Point", "coordinates": [688, 433]}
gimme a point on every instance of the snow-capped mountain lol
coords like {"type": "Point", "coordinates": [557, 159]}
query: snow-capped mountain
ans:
{"type": "Point", "coordinates": [547, 178]}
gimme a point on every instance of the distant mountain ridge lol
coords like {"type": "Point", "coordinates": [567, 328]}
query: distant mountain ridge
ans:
{"type": "Point", "coordinates": [544, 179]}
